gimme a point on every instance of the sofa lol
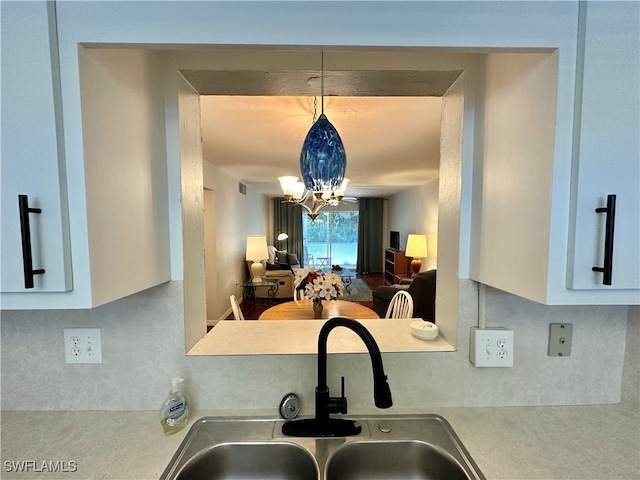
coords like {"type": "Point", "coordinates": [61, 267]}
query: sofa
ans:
{"type": "Point", "coordinates": [280, 266]}
{"type": "Point", "coordinates": [422, 289]}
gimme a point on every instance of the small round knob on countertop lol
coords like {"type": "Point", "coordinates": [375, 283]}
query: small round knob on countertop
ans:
{"type": "Point", "coordinates": [290, 406]}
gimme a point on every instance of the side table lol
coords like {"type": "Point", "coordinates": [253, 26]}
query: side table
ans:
{"type": "Point", "coordinates": [249, 289]}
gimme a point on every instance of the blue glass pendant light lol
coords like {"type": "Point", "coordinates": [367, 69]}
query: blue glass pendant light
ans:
{"type": "Point", "coordinates": [323, 161]}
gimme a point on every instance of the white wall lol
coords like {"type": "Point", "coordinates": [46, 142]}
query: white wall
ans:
{"type": "Point", "coordinates": [428, 215]}
{"type": "Point", "coordinates": [415, 210]}
{"type": "Point", "coordinates": [210, 255]}
{"type": "Point", "coordinates": [237, 216]}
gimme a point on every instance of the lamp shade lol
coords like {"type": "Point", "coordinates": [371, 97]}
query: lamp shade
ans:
{"type": "Point", "coordinates": [287, 184]}
{"type": "Point", "coordinates": [257, 248]}
{"type": "Point", "coordinates": [416, 246]}
{"type": "Point", "coordinates": [343, 187]}
{"type": "Point", "coordinates": [323, 160]}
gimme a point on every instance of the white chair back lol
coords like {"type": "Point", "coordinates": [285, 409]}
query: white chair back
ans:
{"type": "Point", "coordinates": [235, 307]}
{"type": "Point", "coordinates": [401, 305]}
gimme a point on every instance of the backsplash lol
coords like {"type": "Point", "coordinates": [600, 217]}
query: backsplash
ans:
{"type": "Point", "coordinates": [143, 347]}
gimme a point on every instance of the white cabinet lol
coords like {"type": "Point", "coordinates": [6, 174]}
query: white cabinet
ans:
{"type": "Point", "coordinates": [545, 167]}
{"type": "Point", "coordinates": [608, 147]}
{"type": "Point", "coordinates": [84, 138]}
{"type": "Point", "coordinates": [30, 146]}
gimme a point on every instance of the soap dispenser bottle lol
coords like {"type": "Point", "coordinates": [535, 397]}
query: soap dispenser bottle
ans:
{"type": "Point", "coordinates": [174, 413]}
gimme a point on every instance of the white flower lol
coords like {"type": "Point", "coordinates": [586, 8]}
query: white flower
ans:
{"type": "Point", "coordinates": [332, 278]}
{"type": "Point", "coordinates": [303, 273]}
{"type": "Point", "coordinates": [326, 286]}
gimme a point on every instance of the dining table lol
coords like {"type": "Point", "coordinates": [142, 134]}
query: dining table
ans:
{"type": "Point", "coordinates": [303, 310]}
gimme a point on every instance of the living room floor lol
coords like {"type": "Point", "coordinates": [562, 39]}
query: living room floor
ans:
{"type": "Point", "coordinates": [252, 312]}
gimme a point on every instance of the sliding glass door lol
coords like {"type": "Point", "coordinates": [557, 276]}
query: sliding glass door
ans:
{"type": "Point", "coordinates": [331, 240]}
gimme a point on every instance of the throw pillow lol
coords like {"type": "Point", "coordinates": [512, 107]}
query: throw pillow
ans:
{"type": "Point", "coordinates": [292, 259]}
{"type": "Point", "coordinates": [273, 266]}
{"type": "Point", "coordinates": [284, 266]}
{"type": "Point", "coordinates": [272, 253]}
{"type": "Point", "coordinates": [281, 256]}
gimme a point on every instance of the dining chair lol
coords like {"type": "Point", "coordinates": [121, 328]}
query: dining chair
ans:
{"type": "Point", "coordinates": [237, 312]}
{"type": "Point", "coordinates": [308, 259]}
{"type": "Point", "coordinates": [298, 294]}
{"type": "Point", "coordinates": [401, 305]}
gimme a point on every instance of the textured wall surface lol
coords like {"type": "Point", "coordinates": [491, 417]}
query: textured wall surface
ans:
{"type": "Point", "coordinates": [631, 372]}
{"type": "Point", "coordinates": [143, 347]}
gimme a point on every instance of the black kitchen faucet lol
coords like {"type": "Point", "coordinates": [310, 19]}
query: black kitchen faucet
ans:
{"type": "Point", "coordinates": [322, 425]}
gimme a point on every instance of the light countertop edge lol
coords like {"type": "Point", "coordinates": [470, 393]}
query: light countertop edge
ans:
{"type": "Point", "coordinates": [565, 442]}
{"type": "Point", "coordinates": [291, 337]}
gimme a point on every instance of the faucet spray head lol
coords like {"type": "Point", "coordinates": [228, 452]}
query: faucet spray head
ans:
{"type": "Point", "coordinates": [382, 393]}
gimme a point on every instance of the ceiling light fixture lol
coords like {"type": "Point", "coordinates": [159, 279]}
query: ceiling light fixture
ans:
{"type": "Point", "coordinates": [323, 163]}
{"type": "Point", "coordinates": [312, 202]}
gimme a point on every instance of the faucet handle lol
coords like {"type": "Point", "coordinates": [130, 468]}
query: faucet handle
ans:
{"type": "Point", "coordinates": [338, 404]}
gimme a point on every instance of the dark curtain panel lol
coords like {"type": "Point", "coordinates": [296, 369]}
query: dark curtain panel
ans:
{"type": "Point", "coordinates": [370, 235]}
{"type": "Point", "coordinates": [287, 218]}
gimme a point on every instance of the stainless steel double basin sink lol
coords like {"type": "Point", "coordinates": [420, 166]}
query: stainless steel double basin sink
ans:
{"type": "Point", "coordinates": [390, 447]}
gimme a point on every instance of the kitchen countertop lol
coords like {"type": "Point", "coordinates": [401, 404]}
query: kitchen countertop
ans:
{"type": "Point", "coordinates": [565, 442]}
{"type": "Point", "coordinates": [391, 335]}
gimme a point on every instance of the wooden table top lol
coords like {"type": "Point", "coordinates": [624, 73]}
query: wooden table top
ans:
{"type": "Point", "coordinates": [303, 310]}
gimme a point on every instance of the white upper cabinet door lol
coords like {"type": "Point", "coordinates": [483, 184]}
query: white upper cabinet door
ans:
{"type": "Point", "coordinates": [607, 149]}
{"type": "Point", "coordinates": [31, 149]}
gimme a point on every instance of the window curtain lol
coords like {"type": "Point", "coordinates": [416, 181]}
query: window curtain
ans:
{"type": "Point", "coordinates": [287, 218]}
{"type": "Point", "coordinates": [370, 235]}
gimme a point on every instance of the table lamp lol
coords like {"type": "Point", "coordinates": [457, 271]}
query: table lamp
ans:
{"type": "Point", "coordinates": [416, 248]}
{"type": "Point", "coordinates": [256, 252]}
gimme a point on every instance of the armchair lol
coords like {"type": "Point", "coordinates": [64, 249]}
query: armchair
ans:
{"type": "Point", "coordinates": [422, 289]}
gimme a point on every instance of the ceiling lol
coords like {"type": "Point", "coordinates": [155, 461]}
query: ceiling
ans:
{"type": "Point", "coordinates": [389, 123]}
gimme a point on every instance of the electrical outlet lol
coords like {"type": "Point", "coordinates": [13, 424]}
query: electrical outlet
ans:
{"type": "Point", "coordinates": [491, 347]}
{"type": "Point", "coordinates": [82, 345]}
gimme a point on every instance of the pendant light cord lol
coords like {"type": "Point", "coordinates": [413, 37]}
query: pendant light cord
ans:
{"type": "Point", "coordinates": [322, 81]}
{"type": "Point", "coordinates": [315, 110]}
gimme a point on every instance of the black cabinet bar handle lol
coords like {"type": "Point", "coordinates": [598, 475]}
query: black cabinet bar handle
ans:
{"type": "Point", "coordinates": [610, 210]}
{"type": "Point", "coordinates": [27, 257]}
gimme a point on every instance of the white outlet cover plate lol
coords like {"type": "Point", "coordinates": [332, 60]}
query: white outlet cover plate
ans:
{"type": "Point", "coordinates": [491, 347]}
{"type": "Point", "coordinates": [82, 345]}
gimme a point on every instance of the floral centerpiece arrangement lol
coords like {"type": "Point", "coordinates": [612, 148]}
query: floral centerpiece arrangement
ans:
{"type": "Point", "coordinates": [319, 286]}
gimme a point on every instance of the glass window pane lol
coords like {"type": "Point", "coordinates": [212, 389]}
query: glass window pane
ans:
{"type": "Point", "coordinates": [331, 240]}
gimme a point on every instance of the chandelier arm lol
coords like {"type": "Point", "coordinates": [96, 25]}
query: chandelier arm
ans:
{"type": "Point", "coordinates": [315, 200]}
{"type": "Point", "coordinates": [312, 204]}
{"type": "Point", "coordinates": [306, 207]}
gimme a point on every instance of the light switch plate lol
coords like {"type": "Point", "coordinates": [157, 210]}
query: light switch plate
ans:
{"type": "Point", "coordinates": [560, 336]}
{"type": "Point", "coordinates": [491, 347]}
